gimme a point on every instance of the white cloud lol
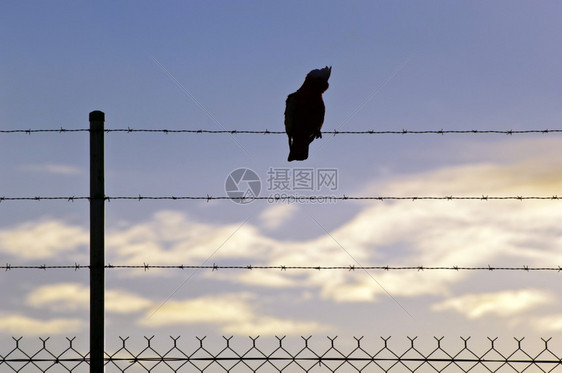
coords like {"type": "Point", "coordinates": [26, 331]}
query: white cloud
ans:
{"type": "Point", "coordinates": [120, 301]}
{"type": "Point", "coordinates": [428, 233]}
{"type": "Point", "coordinates": [273, 326]}
{"type": "Point", "coordinates": [42, 239]}
{"type": "Point", "coordinates": [233, 313]}
{"type": "Point", "coordinates": [65, 297]}
{"type": "Point", "coordinates": [19, 324]}
{"type": "Point", "coordinates": [550, 323]}
{"type": "Point", "coordinates": [230, 308]}
{"type": "Point", "coordinates": [60, 297]}
{"type": "Point", "coordinates": [174, 237]}
{"type": "Point", "coordinates": [503, 303]}
{"type": "Point", "coordinates": [53, 168]}
{"type": "Point", "coordinates": [277, 214]}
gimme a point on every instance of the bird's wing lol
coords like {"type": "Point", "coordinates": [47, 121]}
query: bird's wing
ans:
{"type": "Point", "coordinates": [290, 111]}
{"type": "Point", "coordinates": [320, 112]}
{"type": "Point", "coordinates": [315, 116]}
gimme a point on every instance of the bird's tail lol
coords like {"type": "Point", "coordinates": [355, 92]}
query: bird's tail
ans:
{"type": "Point", "coordinates": [298, 149]}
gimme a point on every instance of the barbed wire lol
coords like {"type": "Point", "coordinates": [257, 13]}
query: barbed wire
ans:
{"type": "Point", "coordinates": [59, 130]}
{"type": "Point", "coordinates": [216, 267]}
{"type": "Point", "coordinates": [288, 198]}
{"type": "Point", "coordinates": [268, 132]}
{"type": "Point", "coordinates": [281, 354]}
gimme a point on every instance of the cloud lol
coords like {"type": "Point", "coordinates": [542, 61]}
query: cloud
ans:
{"type": "Point", "coordinates": [67, 297]}
{"type": "Point", "coordinates": [230, 308]}
{"type": "Point", "coordinates": [42, 239]}
{"type": "Point", "coordinates": [428, 233]}
{"type": "Point", "coordinates": [233, 313]}
{"type": "Point", "coordinates": [52, 168]}
{"type": "Point", "coordinates": [18, 324]}
{"type": "Point", "coordinates": [120, 301]}
{"type": "Point", "coordinates": [273, 326]}
{"type": "Point", "coordinates": [504, 303]}
{"type": "Point", "coordinates": [550, 323]}
{"type": "Point", "coordinates": [175, 237]}
{"type": "Point", "coordinates": [277, 214]}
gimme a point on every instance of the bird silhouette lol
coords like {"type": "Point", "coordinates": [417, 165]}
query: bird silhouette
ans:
{"type": "Point", "coordinates": [304, 113]}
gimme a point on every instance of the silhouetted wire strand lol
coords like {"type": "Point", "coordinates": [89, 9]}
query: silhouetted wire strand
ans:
{"type": "Point", "coordinates": [268, 132]}
{"type": "Point", "coordinates": [288, 198]}
{"type": "Point", "coordinates": [215, 267]}
{"type": "Point", "coordinates": [59, 130]}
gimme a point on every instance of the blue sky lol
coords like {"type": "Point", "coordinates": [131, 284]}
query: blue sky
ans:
{"type": "Point", "coordinates": [230, 65]}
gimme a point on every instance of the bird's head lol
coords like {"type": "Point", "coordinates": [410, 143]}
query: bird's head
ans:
{"type": "Point", "coordinates": [319, 78]}
{"type": "Point", "coordinates": [323, 74]}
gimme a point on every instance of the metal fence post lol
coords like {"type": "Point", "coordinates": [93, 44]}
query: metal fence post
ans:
{"type": "Point", "coordinates": [97, 242]}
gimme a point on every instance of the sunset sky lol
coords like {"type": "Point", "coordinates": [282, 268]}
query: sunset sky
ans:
{"type": "Point", "coordinates": [229, 65]}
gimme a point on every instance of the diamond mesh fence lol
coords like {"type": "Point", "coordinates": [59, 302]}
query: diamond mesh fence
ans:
{"type": "Point", "coordinates": [281, 354]}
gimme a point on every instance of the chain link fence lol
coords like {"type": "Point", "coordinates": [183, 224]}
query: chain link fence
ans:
{"type": "Point", "coordinates": [281, 354]}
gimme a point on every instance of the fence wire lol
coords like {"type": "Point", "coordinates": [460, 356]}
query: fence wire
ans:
{"type": "Point", "coordinates": [267, 132]}
{"type": "Point", "coordinates": [291, 198]}
{"type": "Point", "coordinates": [216, 267]}
{"type": "Point", "coordinates": [281, 354]}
